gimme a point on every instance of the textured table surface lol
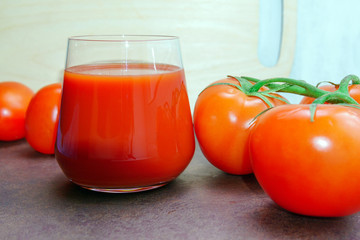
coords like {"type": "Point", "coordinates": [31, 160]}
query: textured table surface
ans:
{"type": "Point", "coordinates": [37, 202]}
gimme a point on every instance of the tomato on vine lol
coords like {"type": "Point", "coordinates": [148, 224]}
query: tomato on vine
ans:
{"type": "Point", "coordinates": [222, 119]}
{"type": "Point", "coordinates": [306, 156]}
{"type": "Point", "coordinates": [309, 167]}
{"type": "Point", "coordinates": [14, 100]}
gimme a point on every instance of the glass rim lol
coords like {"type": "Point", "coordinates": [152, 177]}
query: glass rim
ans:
{"type": "Point", "coordinates": [123, 38]}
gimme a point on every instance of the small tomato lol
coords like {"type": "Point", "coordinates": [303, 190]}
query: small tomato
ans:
{"type": "Point", "coordinates": [42, 118]}
{"type": "Point", "coordinates": [14, 100]}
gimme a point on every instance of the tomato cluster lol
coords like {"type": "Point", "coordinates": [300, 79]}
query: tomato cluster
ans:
{"type": "Point", "coordinates": [305, 156]}
{"type": "Point", "coordinates": [29, 115]}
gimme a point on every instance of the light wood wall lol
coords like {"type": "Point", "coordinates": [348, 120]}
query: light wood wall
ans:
{"type": "Point", "coordinates": [218, 37]}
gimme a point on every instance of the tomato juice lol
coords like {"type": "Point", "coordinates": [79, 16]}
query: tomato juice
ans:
{"type": "Point", "coordinates": [124, 125]}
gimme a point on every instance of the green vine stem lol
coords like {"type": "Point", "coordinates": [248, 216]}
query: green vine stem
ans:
{"type": "Point", "coordinates": [303, 88]}
{"type": "Point", "coordinates": [353, 78]}
{"type": "Point", "coordinates": [299, 87]}
{"type": "Point", "coordinates": [327, 82]}
{"type": "Point", "coordinates": [345, 82]}
{"type": "Point", "coordinates": [295, 86]}
{"type": "Point", "coordinates": [342, 94]}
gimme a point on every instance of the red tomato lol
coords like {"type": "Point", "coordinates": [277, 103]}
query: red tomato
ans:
{"type": "Point", "coordinates": [42, 118]}
{"type": "Point", "coordinates": [309, 168]}
{"type": "Point", "coordinates": [222, 119]}
{"type": "Point", "coordinates": [14, 100]}
{"type": "Point", "coordinates": [354, 91]}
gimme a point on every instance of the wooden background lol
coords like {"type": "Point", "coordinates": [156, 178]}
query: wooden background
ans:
{"type": "Point", "coordinates": [217, 37]}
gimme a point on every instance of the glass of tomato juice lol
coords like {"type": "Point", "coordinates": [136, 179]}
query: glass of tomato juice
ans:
{"type": "Point", "coordinates": [125, 123]}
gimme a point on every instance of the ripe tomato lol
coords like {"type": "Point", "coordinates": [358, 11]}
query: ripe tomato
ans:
{"type": "Point", "coordinates": [222, 118]}
{"type": "Point", "coordinates": [42, 118]}
{"type": "Point", "coordinates": [14, 100]}
{"type": "Point", "coordinates": [309, 168]}
{"type": "Point", "coordinates": [354, 91]}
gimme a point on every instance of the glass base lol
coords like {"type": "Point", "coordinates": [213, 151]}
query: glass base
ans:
{"type": "Point", "coordinates": [123, 190]}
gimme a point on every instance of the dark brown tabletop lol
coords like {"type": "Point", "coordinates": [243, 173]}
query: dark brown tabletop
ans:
{"type": "Point", "coordinates": [38, 202]}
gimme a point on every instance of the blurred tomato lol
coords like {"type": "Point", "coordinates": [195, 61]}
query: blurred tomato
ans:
{"type": "Point", "coordinates": [14, 100]}
{"type": "Point", "coordinates": [42, 118]}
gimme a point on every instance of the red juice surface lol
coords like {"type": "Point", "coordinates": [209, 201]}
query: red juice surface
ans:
{"type": "Point", "coordinates": [124, 125]}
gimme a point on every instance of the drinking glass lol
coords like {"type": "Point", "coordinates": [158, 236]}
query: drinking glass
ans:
{"type": "Point", "coordinates": [125, 123]}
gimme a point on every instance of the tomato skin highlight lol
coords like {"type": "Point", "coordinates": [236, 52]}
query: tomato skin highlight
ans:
{"type": "Point", "coordinates": [42, 119]}
{"type": "Point", "coordinates": [354, 91]}
{"type": "Point", "coordinates": [309, 168]}
{"type": "Point", "coordinates": [222, 121]}
{"type": "Point", "coordinates": [14, 100]}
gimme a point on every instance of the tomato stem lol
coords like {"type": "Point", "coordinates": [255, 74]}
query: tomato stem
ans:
{"type": "Point", "coordinates": [335, 97]}
{"type": "Point", "coordinates": [328, 82]}
{"type": "Point", "coordinates": [294, 86]}
{"type": "Point", "coordinates": [300, 87]}
{"type": "Point", "coordinates": [345, 82]}
{"type": "Point", "coordinates": [342, 94]}
{"type": "Point", "coordinates": [288, 85]}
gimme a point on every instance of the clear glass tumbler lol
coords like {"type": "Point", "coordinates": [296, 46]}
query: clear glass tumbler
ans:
{"type": "Point", "coordinates": [125, 123]}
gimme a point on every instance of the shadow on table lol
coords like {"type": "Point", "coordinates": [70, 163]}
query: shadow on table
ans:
{"type": "Point", "coordinates": [21, 150]}
{"type": "Point", "coordinates": [6, 144]}
{"type": "Point", "coordinates": [275, 221]}
{"type": "Point", "coordinates": [227, 182]}
{"type": "Point", "coordinates": [67, 191]}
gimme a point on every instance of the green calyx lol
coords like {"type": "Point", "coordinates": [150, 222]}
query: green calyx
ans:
{"type": "Point", "coordinates": [263, 95]}
{"type": "Point", "coordinates": [245, 86]}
